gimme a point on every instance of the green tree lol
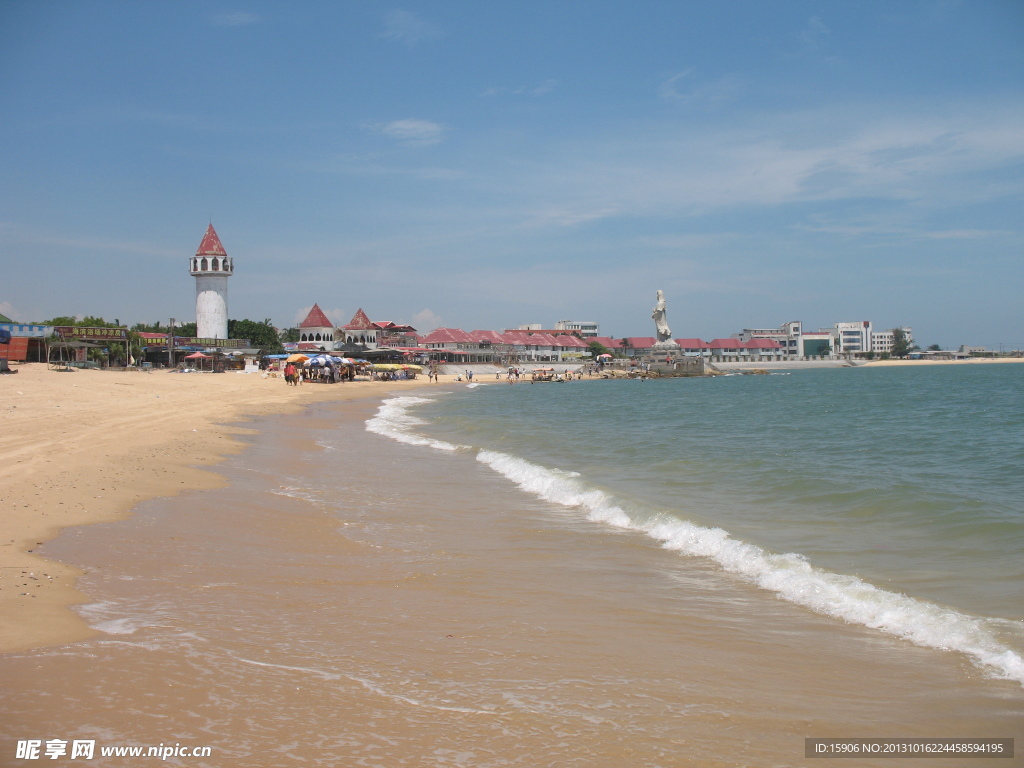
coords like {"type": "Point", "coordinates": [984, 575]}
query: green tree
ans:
{"type": "Point", "coordinates": [156, 327]}
{"type": "Point", "coordinates": [290, 335]}
{"type": "Point", "coordinates": [625, 345]}
{"type": "Point", "coordinates": [597, 348]}
{"type": "Point", "coordinates": [900, 343]}
{"type": "Point", "coordinates": [63, 320]}
{"type": "Point", "coordinates": [262, 335]}
{"type": "Point", "coordinates": [934, 348]}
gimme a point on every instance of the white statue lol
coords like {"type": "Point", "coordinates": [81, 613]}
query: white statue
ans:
{"type": "Point", "coordinates": [660, 323]}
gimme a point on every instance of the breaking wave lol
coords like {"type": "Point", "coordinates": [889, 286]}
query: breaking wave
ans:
{"type": "Point", "coordinates": [790, 576]}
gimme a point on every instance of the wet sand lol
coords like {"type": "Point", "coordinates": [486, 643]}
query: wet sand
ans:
{"type": "Point", "coordinates": [348, 600]}
{"type": "Point", "coordinates": [83, 447]}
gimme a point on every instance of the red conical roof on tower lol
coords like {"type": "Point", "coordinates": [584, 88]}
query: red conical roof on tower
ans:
{"type": "Point", "coordinates": [211, 245]}
{"type": "Point", "coordinates": [360, 322]}
{"type": "Point", "coordinates": [316, 319]}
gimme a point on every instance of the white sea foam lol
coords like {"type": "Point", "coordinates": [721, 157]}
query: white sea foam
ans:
{"type": "Point", "coordinates": [557, 486]}
{"type": "Point", "coordinates": [790, 575]}
{"type": "Point", "coordinates": [102, 616]}
{"type": "Point", "coordinates": [393, 420]}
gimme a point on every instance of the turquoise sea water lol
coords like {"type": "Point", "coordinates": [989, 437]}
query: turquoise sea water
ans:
{"type": "Point", "coordinates": [887, 497]}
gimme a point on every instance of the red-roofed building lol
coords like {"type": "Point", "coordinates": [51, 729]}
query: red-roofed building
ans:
{"type": "Point", "coordinates": [510, 346]}
{"type": "Point", "coordinates": [446, 338]}
{"type": "Point", "coordinates": [634, 345]}
{"type": "Point", "coordinates": [316, 331]}
{"type": "Point", "coordinates": [573, 347]}
{"type": "Point", "coordinates": [764, 346]}
{"type": "Point", "coordinates": [693, 347]}
{"type": "Point", "coordinates": [361, 330]}
{"type": "Point", "coordinates": [725, 346]}
{"type": "Point", "coordinates": [607, 341]}
{"type": "Point", "coordinates": [395, 335]}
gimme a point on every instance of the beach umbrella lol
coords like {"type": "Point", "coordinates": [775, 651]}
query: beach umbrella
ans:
{"type": "Point", "coordinates": [296, 358]}
{"type": "Point", "coordinates": [198, 356]}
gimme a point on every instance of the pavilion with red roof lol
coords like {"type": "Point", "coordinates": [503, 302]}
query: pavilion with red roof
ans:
{"type": "Point", "coordinates": [362, 330]}
{"type": "Point", "coordinates": [316, 331]}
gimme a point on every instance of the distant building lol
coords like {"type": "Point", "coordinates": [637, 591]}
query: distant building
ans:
{"type": "Point", "coordinates": [395, 335]}
{"type": "Point", "coordinates": [584, 328]}
{"type": "Point", "coordinates": [852, 338]}
{"type": "Point", "coordinates": [816, 344]}
{"type": "Point", "coordinates": [316, 331]}
{"type": "Point", "coordinates": [509, 347]}
{"type": "Point", "coordinates": [211, 267]}
{"type": "Point", "coordinates": [844, 339]}
{"type": "Point", "coordinates": [787, 335]}
{"type": "Point", "coordinates": [361, 330]}
{"type": "Point", "coordinates": [882, 341]}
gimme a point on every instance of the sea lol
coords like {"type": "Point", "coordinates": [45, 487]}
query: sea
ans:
{"type": "Point", "coordinates": [620, 573]}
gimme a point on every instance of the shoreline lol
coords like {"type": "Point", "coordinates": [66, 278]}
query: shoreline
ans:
{"type": "Point", "coordinates": [797, 365]}
{"type": "Point", "coordinates": [974, 361]}
{"type": "Point", "coordinates": [87, 447]}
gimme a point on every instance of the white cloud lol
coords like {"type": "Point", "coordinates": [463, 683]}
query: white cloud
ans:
{"type": "Point", "coordinates": [411, 131]}
{"type": "Point", "coordinates": [684, 88]}
{"type": "Point", "coordinates": [337, 316]}
{"type": "Point", "coordinates": [681, 169]}
{"type": "Point", "coordinates": [408, 28]}
{"type": "Point", "coordinates": [7, 309]}
{"type": "Point", "coordinates": [235, 19]}
{"type": "Point", "coordinates": [815, 34]}
{"type": "Point", "coordinates": [544, 88]}
{"type": "Point", "coordinates": [426, 321]}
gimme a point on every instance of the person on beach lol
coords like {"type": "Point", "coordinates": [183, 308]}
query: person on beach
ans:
{"type": "Point", "coordinates": [289, 374]}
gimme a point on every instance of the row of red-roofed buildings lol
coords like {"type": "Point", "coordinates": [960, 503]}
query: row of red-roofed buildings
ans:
{"type": "Point", "coordinates": [317, 331]}
{"type": "Point", "coordinates": [568, 348]}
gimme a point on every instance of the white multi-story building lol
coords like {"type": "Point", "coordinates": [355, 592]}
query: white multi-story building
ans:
{"type": "Point", "coordinates": [584, 328]}
{"type": "Point", "coordinates": [788, 336]}
{"type": "Point", "coordinates": [882, 341]}
{"type": "Point", "coordinates": [851, 338]}
{"type": "Point", "coordinates": [842, 339]}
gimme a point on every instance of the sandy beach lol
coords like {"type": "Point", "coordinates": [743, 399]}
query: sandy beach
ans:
{"type": "Point", "coordinates": [85, 447]}
{"type": "Point", "coordinates": [974, 361]}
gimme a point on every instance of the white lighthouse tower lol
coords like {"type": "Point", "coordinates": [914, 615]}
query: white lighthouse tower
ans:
{"type": "Point", "coordinates": [211, 268]}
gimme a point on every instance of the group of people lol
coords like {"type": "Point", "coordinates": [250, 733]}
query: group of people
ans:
{"type": "Point", "coordinates": [292, 375]}
{"type": "Point", "coordinates": [331, 374]}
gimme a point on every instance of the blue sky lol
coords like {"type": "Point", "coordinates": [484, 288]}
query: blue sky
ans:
{"type": "Point", "coordinates": [486, 164]}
